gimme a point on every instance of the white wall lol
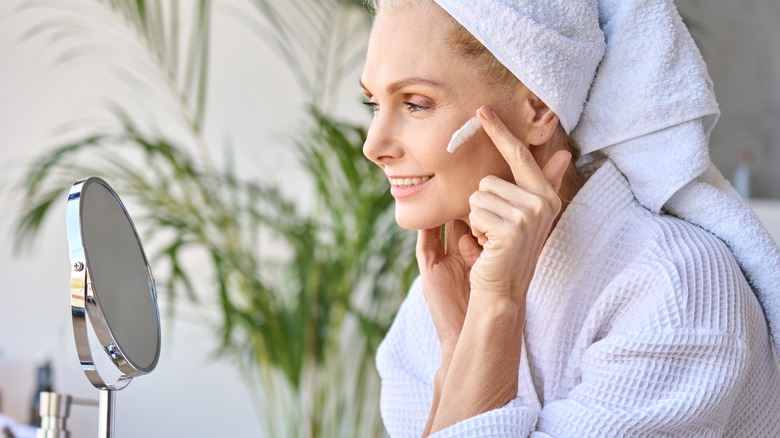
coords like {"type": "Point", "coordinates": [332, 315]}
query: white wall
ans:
{"type": "Point", "coordinates": [740, 40]}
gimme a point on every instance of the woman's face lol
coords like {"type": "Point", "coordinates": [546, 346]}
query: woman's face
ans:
{"type": "Point", "coordinates": [421, 92]}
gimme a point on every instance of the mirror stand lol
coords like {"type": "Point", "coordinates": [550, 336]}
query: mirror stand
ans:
{"type": "Point", "coordinates": [106, 408]}
{"type": "Point", "coordinates": [113, 299]}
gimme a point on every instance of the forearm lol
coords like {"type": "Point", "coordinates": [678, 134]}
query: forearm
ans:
{"type": "Point", "coordinates": [438, 384]}
{"type": "Point", "coordinates": [482, 374]}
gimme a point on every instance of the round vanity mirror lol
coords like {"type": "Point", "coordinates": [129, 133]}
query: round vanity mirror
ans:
{"type": "Point", "coordinates": [113, 297]}
{"type": "Point", "coordinates": [112, 283]}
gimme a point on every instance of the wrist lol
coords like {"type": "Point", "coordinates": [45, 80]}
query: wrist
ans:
{"type": "Point", "coordinates": [447, 351]}
{"type": "Point", "coordinates": [493, 329]}
{"type": "Point", "coordinates": [489, 306]}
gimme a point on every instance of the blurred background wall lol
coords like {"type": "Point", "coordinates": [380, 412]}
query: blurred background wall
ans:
{"type": "Point", "coordinates": [740, 41]}
{"type": "Point", "coordinates": [254, 103]}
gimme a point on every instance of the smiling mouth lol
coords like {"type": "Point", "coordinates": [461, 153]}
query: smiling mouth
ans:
{"type": "Point", "coordinates": [408, 182]}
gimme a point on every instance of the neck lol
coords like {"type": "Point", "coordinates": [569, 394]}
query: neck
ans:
{"type": "Point", "coordinates": [571, 184]}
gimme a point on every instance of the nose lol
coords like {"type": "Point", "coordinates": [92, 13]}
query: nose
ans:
{"type": "Point", "coordinates": [382, 142]}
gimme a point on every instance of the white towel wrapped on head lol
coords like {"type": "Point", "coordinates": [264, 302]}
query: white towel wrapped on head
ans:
{"type": "Point", "coordinates": [626, 79]}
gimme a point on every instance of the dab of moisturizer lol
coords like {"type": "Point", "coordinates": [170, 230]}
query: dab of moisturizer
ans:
{"type": "Point", "coordinates": [464, 133]}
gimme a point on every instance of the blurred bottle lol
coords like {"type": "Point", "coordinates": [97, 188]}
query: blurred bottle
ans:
{"type": "Point", "coordinates": [741, 180]}
{"type": "Point", "coordinates": [44, 383]}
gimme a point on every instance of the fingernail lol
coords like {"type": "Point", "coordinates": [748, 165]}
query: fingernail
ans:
{"type": "Point", "coordinates": [487, 113]}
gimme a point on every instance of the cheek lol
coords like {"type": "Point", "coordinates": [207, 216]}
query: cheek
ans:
{"type": "Point", "coordinates": [431, 150]}
{"type": "Point", "coordinates": [478, 158]}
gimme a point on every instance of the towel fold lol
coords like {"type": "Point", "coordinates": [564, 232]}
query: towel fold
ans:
{"type": "Point", "coordinates": [710, 202]}
{"type": "Point", "coordinates": [626, 79]}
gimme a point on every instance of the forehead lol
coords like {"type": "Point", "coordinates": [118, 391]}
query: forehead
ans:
{"type": "Point", "coordinates": [409, 40]}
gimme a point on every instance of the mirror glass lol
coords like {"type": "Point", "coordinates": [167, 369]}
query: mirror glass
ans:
{"type": "Point", "coordinates": [121, 280]}
{"type": "Point", "coordinates": [118, 293]}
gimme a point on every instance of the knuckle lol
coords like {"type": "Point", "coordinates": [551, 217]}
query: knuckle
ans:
{"type": "Point", "coordinates": [523, 155]}
{"type": "Point", "coordinates": [474, 198]}
{"type": "Point", "coordinates": [480, 221]}
{"type": "Point", "coordinates": [555, 203]}
{"type": "Point", "coordinates": [544, 205]}
{"type": "Point", "coordinates": [487, 182]}
{"type": "Point", "coordinates": [516, 217]}
{"type": "Point", "coordinates": [537, 205]}
{"type": "Point", "coordinates": [500, 129]}
{"type": "Point", "coordinates": [551, 203]}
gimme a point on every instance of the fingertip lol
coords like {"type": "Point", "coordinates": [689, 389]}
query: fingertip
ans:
{"type": "Point", "coordinates": [496, 129]}
{"type": "Point", "coordinates": [469, 248]}
{"type": "Point", "coordinates": [486, 113]}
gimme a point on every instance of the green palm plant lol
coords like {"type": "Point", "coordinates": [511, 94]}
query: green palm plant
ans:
{"type": "Point", "coordinates": [305, 295]}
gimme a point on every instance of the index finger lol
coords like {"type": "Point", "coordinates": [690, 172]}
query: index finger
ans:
{"type": "Point", "coordinates": [524, 167]}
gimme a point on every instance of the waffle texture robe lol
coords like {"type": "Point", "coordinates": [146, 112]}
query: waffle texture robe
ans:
{"type": "Point", "coordinates": [637, 324]}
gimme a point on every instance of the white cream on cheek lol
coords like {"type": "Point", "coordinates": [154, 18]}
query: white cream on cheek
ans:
{"type": "Point", "coordinates": [464, 133]}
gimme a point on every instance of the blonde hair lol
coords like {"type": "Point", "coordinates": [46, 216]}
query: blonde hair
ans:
{"type": "Point", "coordinates": [463, 43]}
{"type": "Point", "coordinates": [496, 73]}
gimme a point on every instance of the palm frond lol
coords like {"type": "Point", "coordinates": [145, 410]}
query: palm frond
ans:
{"type": "Point", "coordinates": [146, 31]}
{"type": "Point", "coordinates": [314, 38]}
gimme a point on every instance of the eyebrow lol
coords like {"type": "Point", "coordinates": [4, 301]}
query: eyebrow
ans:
{"type": "Point", "coordinates": [397, 85]}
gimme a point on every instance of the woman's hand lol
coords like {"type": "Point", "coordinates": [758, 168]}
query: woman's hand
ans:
{"type": "Point", "coordinates": [511, 222]}
{"type": "Point", "coordinates": [444, 271]}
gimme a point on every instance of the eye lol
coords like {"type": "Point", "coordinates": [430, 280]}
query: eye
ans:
{"type": "Point", "coordinates": [372, 106]}
{"type": "Point", "coordinates": [416, 103]}
{"type": "Point", "coordinates": [413, 107]}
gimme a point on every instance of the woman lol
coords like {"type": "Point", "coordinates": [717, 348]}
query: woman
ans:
{"type": "Point", "coordinates": [564, 301]}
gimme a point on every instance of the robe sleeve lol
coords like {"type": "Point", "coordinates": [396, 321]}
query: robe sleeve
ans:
{"type": "Point", "coordinates": [678, 383]}
{"type": "Point", "coordinates": [670, 362]}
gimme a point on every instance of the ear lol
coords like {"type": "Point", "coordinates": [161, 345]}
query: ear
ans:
{"type": "Point", "coordinates": [541, 121]}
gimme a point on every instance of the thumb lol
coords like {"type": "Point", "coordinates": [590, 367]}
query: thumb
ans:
{"type": "Point", "coordinates": [469, 249]}
{"type": "Point", "coordinates": [556, 167]}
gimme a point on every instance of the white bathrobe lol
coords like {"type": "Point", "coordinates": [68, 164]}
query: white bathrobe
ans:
{"type": "Point", "coordinates": [638, 324]}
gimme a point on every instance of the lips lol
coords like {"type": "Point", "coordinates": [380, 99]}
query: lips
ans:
{"type": "Point", "coordinates": [408, 182]}
{"type": "Point", "coordinates": [407, 186]}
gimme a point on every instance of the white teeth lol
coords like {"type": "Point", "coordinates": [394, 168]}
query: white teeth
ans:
{"type": "Point", "coordinates": [408, 182]}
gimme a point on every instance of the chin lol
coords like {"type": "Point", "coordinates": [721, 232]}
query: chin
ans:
{"type": "Point", "coordinates": [417, 221]}
{"type": "Point", "coordinates": [407, 224]}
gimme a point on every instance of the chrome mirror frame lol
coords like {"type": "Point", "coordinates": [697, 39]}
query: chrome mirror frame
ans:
{"type": "Point", "coordinates": [85, 301]}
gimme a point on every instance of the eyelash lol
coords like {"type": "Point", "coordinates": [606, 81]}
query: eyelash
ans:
{"type": "Point", "coordinates": [413, 107]}
{"type": "Point", "coordinates": [372, 106]}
